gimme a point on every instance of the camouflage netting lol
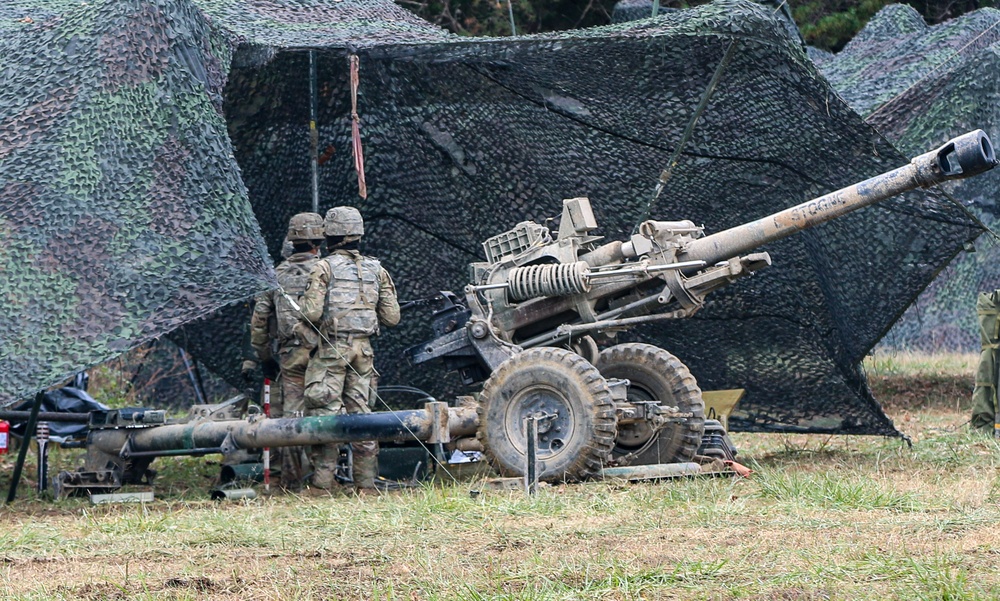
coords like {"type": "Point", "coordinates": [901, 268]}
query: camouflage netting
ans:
{"type": "Point", "coordinates": [122, 211]}
{"type": "Point", "coordinates": [465, 137]}
{"type": "Point", "coordinates": [633, 10]}
{"type": "Point", "coordinates": [918, 85]}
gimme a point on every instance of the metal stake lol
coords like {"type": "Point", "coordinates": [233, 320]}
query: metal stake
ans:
{"type": "Point", "coordinates": [267, 450]}
{"type": "Point", "coordinates": [42, 438]}
{"type": "Point", "coordinates": [510, 12]}
{"type": "Point", "coordinates": [531, 471]}
{"type": "Point", "coordinates": [198, 392]}
{"type": "Point", "coordinates": [23, 451]}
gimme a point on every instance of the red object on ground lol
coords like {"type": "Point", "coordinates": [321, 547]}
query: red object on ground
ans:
{"type": "Point", "coordinates": [741, 470]}
{"type": "Point", "coordinates": [4, 437]}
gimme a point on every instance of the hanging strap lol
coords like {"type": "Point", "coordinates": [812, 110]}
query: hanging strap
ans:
{"type": "Point", "coordinates": [359, 157]}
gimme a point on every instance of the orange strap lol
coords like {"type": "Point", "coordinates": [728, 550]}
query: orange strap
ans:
{"type": "Point", "coordinates": [359, 157]}
{"type": "Point", "coordinates": [741, 470]}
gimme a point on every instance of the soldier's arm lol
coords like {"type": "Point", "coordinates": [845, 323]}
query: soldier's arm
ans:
{"type": "Point", "coordinates": [315, 295]}
{"type": "Point", "coordinates": [260, 331]}
{"type": "Point", "coordinates": [388, 305]}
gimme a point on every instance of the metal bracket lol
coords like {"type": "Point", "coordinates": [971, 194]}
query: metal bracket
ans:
{"type": "Point", "coordinates": [438, 412]}
{"type": "Point", "coordinates": [492, 350]}
{"type": "Point", "coordinates": [126, 450]}
{"type": "Point", "coordinates": [228, 444]}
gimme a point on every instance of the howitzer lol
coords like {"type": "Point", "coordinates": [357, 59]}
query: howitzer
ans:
{"type": "Point", "coordinates": [536, 293]}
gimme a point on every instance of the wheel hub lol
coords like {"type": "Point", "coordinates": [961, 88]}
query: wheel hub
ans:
{"type": "Point", "coordinates": [635, 434]}
{"type": "Point", "coordinates": [552, 411]}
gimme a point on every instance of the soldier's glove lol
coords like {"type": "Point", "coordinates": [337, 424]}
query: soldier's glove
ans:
{"type": "Point", "coordinates": [270, 369]}
{"type": "Point", "coordinates": [248, 368]}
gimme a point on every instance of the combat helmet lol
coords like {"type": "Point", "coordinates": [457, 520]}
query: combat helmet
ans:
{"type": "Point", "coordinates": [304, 227]}
{"type": "Point", "coordinates": [343, 221]}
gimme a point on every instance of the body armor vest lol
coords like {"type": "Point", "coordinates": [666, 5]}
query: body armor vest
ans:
{"type": "Point", "coordinates": [293, 277]}
{"type": "Point", "coordinates": [352, 295]}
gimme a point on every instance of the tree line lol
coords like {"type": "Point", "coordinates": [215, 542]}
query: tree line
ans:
{"type": "Point", "coordinates": [826, 24]}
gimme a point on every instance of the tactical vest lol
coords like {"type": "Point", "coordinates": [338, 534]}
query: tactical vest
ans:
{"type": "Point", "coordinates": [352, 298]}
{"type": "Point", "coordinates": [293, 277]}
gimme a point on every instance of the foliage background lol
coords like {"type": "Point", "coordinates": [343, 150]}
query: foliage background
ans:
{"type": "Point", "coordinates": [825, 24]}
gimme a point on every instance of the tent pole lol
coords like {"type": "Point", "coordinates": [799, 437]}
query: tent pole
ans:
{"type": "Point", "coordinates": [313, 132]}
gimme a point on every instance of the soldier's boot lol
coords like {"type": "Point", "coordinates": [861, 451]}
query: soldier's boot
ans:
{"type": "Point", "coordinates": [365, 470]}
{"type": "Point", "coordinates": [325, 466]}
{"type": "Point", "coordinates": [292, 470]}
{"type": "Point", "coordinates": [275, 460]}
{"type": "Point", "coordinates": [323, 479]}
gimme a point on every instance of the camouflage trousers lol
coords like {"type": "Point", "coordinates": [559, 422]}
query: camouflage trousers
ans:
{"type": "Point", "coordinates": [984, 396]}
{"type": "Point", "coordinates": [338, 380]}
{"type": "Point", "coordinates": [288, 400]}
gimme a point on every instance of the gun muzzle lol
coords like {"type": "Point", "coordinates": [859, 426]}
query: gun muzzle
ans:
{"type": "Point", "coordinates": [965, 156]}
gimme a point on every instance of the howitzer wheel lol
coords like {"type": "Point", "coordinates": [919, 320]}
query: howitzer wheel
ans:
{"type": "Point", "coordinates": [655, 375]}
{"type": "Point", "coordinates": [577, 436]}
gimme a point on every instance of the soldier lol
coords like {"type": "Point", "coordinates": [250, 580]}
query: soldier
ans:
{"type": "Point", "coordinates": [273, 329]}
{"type": "Point", "coordinates": [347, 297]}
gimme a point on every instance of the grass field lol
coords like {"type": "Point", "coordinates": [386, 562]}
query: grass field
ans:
{"type": "Point", "coordinates": [822, 517]}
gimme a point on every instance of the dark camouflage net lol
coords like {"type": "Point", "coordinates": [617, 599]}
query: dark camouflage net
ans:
{"type": "Point", "coordinates": [917, 85]}
{"type": "Point", "coordinates": [465, 137]}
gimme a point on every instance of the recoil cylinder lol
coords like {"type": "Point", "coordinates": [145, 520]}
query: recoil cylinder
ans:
{"type": "Point", "coordinates": [533, 281]}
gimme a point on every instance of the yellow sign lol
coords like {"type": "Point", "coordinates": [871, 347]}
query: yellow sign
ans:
{"type": "Point", "coordinates": [720, 403]}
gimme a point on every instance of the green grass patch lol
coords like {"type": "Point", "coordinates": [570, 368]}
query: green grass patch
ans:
{"type": "Point", "coordinates": [831, 490]}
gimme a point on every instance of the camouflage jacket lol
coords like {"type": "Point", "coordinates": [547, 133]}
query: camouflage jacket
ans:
{"type": "Point", "coordinates": [273, 317]}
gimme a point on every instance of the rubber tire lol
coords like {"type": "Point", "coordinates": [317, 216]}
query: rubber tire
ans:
{"type": "Point", "coordinates": [559, 378]}
{"type": "Point", "coordinates": [655, 374]}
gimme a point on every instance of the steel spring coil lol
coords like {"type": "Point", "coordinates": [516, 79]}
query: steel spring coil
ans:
{"type": "Point", "coordinates": [534, 281]}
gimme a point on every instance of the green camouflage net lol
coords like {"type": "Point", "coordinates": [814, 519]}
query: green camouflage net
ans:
{"type": "Point", "coordinates": [122, 212]}
{"type": "Point", "coordinates": [465, 137]}
{"type": "Point", "coordinates": [918, 85]}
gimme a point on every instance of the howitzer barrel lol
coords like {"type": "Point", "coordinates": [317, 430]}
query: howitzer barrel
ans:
{"type": "Point", "coordinates": [383, 426]}
{"type": "Point", "coordinates": [964, 156]}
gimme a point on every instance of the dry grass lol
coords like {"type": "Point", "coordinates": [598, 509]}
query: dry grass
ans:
{"type": "Point", "coordinates": [823, 517]}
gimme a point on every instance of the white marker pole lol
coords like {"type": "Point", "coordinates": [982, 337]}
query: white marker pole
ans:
{"type": "Point", "coordinates": [267, 450]}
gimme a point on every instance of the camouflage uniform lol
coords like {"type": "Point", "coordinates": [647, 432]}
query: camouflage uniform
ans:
{"type": "Point", "coordinates": [273, 331]}
{"type": "Point", "coordinates": [984, 395]}
{"type": "Point", "coordinates": [347, 297]}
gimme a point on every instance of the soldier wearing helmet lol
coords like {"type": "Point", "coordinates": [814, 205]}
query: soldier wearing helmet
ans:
{"type": "Point", "coordinates": [348, 296]}
{"type": "Point", "coordinates": [278, 343]}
